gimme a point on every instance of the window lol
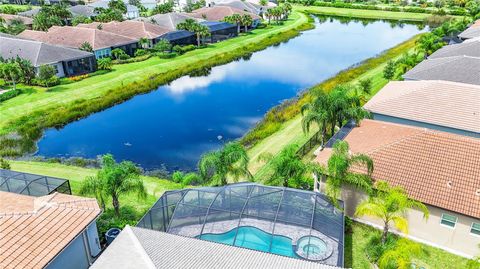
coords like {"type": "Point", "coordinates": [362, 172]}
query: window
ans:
{"type": "Point", "coordinates": [475, 228]}
{"type": "Point", "coordinates": [448, 220]}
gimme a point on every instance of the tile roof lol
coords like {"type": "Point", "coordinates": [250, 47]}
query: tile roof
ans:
{"type": "Point", "coordinates": [37, 53]}
{"type": "Point", "coordinates": [242, 5]}
{"type": "Point", "coordinates": [463, 69]}
{"type": "Point", "coordinates": [153, 249]}
{"type": "Point", "coordinates": [218, 13]}
{"type": "Point", "coordinates": [168, 20]}
{"type": "Point", "coordinates": [33, 230]}
{"type": "Point", "coordinates": [74, 37]}
{"type": "Point", "coordinates": [443, 103]}
{"type": "Point", "coordinates": [436, 168]}
{"type": "Point", "coordinates": [82, 10]}
{"type": "Point", "coordinates": [130, 29]}
{"type": "Point", "coordinates": [104, 4]}
{"type": "Point", "coordinates": [469, 48]}
{"type": "Point", "coordinates": [472, 31]}
{"type": "Point", "coordinates": [9, 17]}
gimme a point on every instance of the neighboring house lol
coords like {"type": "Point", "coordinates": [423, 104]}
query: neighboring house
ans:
{"type": "Point", "coordinates": [102, 42]}
{"type": "Point", "coordinates": [469, 48]}
{"type": "Point", "coordinates": [82, 10]}
{"type": "Point", "coordinates": [439, 169]}
{"type": "Point", "coordinates": [52, 231]}
{"type": "Point", "coordinates": [131, 29]}
{"type": "Point", "coordinates": [439, 105]}
{"type": "Point", "coordinates": [464, 69]}
{"type": "Point", "coordinates": [132, 11]}
{"type": "Point", "coordinates": [238, 4]}
{"type": "Point", "coordinates": [219, 31]}
{"type": "Point", "coordinates": [471, 32]}
{"type": "Point", "coordinates": [218, 13]}
{"type": "Point", "coordinates": [142, 248]}
{"type": "Point", "coordinates": [168, 20]}
{"type": "Point", "coordinates": [30, 13]}
{"type": "Point", "coordinates": [67, 61]}
{"type": "Point", "coordinates": [28, 22]}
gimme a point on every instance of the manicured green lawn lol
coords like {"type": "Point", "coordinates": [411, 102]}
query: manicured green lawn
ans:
{"type": "Point", "coordinates": [155, 187]}
{"type": "Point", "coordinates": [18, 7]}
{"type": "Point", "coordinates": [362, 13]}
{"type": "Point", "coordinates": [97, 86]}
{"type": "Point", "coordinates": [431, 258]}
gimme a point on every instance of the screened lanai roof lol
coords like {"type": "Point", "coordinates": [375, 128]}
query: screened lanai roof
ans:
{"type": "Point", "coordinates": [32, 185]}
{"type": "Point", "coordinates": [283, 221]}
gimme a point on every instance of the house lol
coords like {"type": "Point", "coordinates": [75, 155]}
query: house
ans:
{"type": "Point", "coordinates": [67, 61]}
{"type": "Point", "coordinates": [463, 69]}
{"type": "Point", "coordinates": [82, 10]}
{"type": "Point", "coordinates": [29, 13]}
{"type": "Point", "coordinates": [28, 22]}
{"type": "Point", "coordinates": [131, 29]}
{"type": "Point", "coordinates": [218, 13]}
{"type": "Point", "coordinates": [132, 11]}
{"type": "Point", "coordinates": [471, 32]}
{"type": "Point", "coordinates": [439, 169]}
{"type": "Point", "coordinates": [168, 20]}
{"type": "Point", "coordinates": [219, 31]}
{"type": "Point", "coordinates": [469, 48]}
{"type": "Point", "coordinates": [51, 231]}
{"type": "Point", "coordinates": [143, 248]}
{"type": "Point", "coordinates": [102, 42]}
{"type": "Point", "coordinates": [241, 5]}
{"type": "Point", "coordinates": [438, 105]}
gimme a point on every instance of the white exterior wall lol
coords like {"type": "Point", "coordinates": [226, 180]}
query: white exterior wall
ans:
{"type": "Point", "coordinates": [58, 67]}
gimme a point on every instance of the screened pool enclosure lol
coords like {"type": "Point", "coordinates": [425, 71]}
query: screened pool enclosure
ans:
{"type": "Point", "coordinates": [283, 221]}
{"type": "Point", "coordinates": [32, 185]}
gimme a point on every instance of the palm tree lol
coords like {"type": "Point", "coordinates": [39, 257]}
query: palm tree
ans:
{"type": "Point", "coordinates": [85, 46]}
{"type": "Point", "coordinates": [143, 42]}
{"type": "Point", "coordinates": [428, 43]}
{"type": "Point", "coordinates": [246, 21]}
{"type": "Point", "coordinates": [192, 26]}
{"type": "Point", "coordinates": [104, 64]}
{"type": "Point", "coordinates": [114, 180]}
{"type": "Point", "coordinates": [234, 19]}
{"type": "Point", "coordinates": [316, 112]}
{"type": "Point", "coordinates": [390, 204]}
{"type": "Point", "coordinates": [288, 169]}
{"type": "Point", "coordinates": [338, 171]}
{"type": "Point", "coordinates": [231, 160]}
{"type": "Point", "coordinates": [269, 14]}
{"type": "Point", "coordinates": [400, 257]}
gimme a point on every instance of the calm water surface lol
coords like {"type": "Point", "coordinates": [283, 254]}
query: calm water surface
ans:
{"type": "Point", "coordinates": [175, 124]}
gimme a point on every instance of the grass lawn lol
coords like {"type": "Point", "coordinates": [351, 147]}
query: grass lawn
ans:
{"type": "Point", "coordinates": [356, 242]}
{"type": "Point", "coordinates": [41, 99]}
{"type": "Point", "coordinates": [19, 8]}
{"type": "Point", "coordinates": [155, 187]}
{"type": "Point", "coordinates": [365, 14]}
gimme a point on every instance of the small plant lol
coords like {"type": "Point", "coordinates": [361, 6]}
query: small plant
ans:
{"type": "Point", "coordinates": [4, 164]}
{"type": "Point", "coordinates": [389, 70]}
{"type": "Point", "coordinates": [104, 64]}
{"type": "Point", "coordinates": [47, 76]}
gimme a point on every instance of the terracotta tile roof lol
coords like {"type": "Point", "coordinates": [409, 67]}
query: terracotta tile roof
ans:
{"type": "Point", "coordinates": [449, 104]}
{"type": "Point", "coordinates": [74, 37]}
{"type": "Point", "coordinates": [436, 168]}
{"type": "Point", "coordinates": [132, 29]}
{"type": "Point", "coordinates": [9, 17]}
{"type": "Point", "coordinates": [33, 230]}
{"type": "Point", "coordinates": [218, 13]}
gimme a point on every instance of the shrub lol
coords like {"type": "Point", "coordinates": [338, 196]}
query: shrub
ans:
{"type": "Point", "coordinates": [4, 164]}
{"type": "Point", "coordinates": [10, 94]}
{"type": "Point", "coordinates": [140, 52]}
{"type": "Point", "coordinates": [109, 220]}
{"type": "Point", "coordinates": [78, 78]}
{"type": "Point", "coordinates": [166, 55]}
{"type": "Point", "coordinates": [104, 64]}
{"type": "Point", "coordinates": [183, 49]}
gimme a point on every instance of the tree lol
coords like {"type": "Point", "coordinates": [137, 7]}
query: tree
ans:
{"type": "Point", "coordinates": [338, 171]}
{"type": "Point", "coordinates": [263, 2]}
{"type": "Point", "coordinates": [400, 256]}
{"type": "Point", "coordinates": [231, 160]}
{"type": "Point", "coordinates": [118, 5]}
{"type": "Point", "coordinates": [46, 73]}
{"type": "Point", "coordinates": [43, 21]}
{"type": "Point", "coordinates": [85, 46]}
{"type": "Point", "coordinates": [108, 15]}
{"type": "Point", "coordinates": [144, 42]}
{"type": "Point", "coordinates": [428, 43]}
{"type": "Point", "coordinates": [114, 180]}
{"type": "Point", "coordinates": [163, 45]}
{"type": "Point", "coordinates": [288, 169]}
{"type": "Point", "coordinates": [234, 19]}
{"type": "Point", "coordinates": [11, 71]}
{"type": "Point", "coordinates": [81, 19]}
{"type": "Point", "coordinates": [118, 53]}
{"type": "Point", "coordinates": [4, 164]}
{"type": "Point", "coordinates": [193, 26]}
{"type": "Point", "coordinates": [317, 112]}
{"type": "Point", "coordinates": [27, 69]}
{"type": "Point", "coordinates": [13, 27]}
{"type": "Point", "coordinates": [186, 178]}
{"type": "Point", "coordinates": [104, 64]}
{"type": "Point", "coordinates": [163, 8]}
{"type": "Point", "coordinates": [246, 21]}
{"type": "Point", "coordinates": [389, 70]}
{"type": "Point", "coordinates": [390, 204]}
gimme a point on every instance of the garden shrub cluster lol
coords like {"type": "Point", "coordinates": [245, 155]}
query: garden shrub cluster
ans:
{"type": "Point", "coordinates": [10, 94]}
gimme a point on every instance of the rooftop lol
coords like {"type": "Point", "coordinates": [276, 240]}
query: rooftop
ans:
{"type": "Point", "coordinates": [436, 168]}
{"type": "Point", "coordinates": [472, 31]}
{"type": "Point", "coordinates": [218, 13]}
{"type": "Point", "coordinates": [9, 17]}
{"type": "Point", "coordinates": [30, 184]}
{"type": "Point", "coordinates": [167, 20]}
{"type": "Point", "coordinates": [74, 37]}
{"type": "Point", "coordinates": [242, 5]}
{"type": "Point", "coordinates": [464, 69]}
{"type": "Point", "coordinates": [130, 29]}
{"type": "Point", "coordinates": [142, 248]}
{"type": "Point", "coordinates": [104, 4]}
{"type": "Point", "coordinates": [82, 10]}
{"type": "Point", "coordinates": [469, 48]}
{"type": "Point", "coordinates": [33, 230]}
{"type": "Point", "coordinates": [449, 104]}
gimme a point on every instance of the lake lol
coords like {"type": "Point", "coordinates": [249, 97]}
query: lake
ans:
{"type": "Point", "coordinates": [174, 125]}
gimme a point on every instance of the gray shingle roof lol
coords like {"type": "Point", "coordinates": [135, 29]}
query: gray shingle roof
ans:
{"type": "Point", "coordinates": [81, 10]}
{"type": "Point", "coordinates": [37, 53]}
{"type": "Point", "coordinates": [467, 48]}
{"type": "Point", "coordinates": [471, 32]}
{"type": "Point", "coordinates": [29, 13]}
{"type": "Point", "coordinates": [462, 69]}
{"type": "Point", "coordinates": [168, 20]}
{"type": "Point", "coordinates": [142, 248]}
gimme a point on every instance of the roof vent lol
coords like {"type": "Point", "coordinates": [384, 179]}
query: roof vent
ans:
{"type": "Point", "coordinates": [449, 184]}
{"type": "Point", "coordinates": [477, 192]}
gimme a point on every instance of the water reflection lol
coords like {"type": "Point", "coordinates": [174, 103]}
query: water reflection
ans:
{"type": "Point", "coordinates": [177, 123]}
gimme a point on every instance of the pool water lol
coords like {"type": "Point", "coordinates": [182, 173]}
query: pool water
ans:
{"type": "Point", "coordinates": [256, 239]}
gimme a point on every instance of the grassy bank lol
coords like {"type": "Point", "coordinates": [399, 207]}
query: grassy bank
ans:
{"type": "Point", "coordinates": [28, 114]}
{"type": "Point", "coordinates": [365, 14]}
{"type": "Point", "coordinates": [357, 240]}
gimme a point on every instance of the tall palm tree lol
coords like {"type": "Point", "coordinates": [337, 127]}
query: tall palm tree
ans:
{"type": "Point", "coordinates": [246, 21]}
{"type": "Point", "coordinates": [317, 112]}
{"type": "Point", "coordinates": [114, 180]}
{"type": "Point", "coordinates": [338, 171]}
{"type": "Point", "coordinates": [144, 42]}
{"type": "Point", "coordinates": [193, 26]}
{"type": "Point", "coordinates": [234, 19]}
{"type": "Point", "coordinates": [231, 160]}
{"type": "Point", "coordinates": [390, 204]}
